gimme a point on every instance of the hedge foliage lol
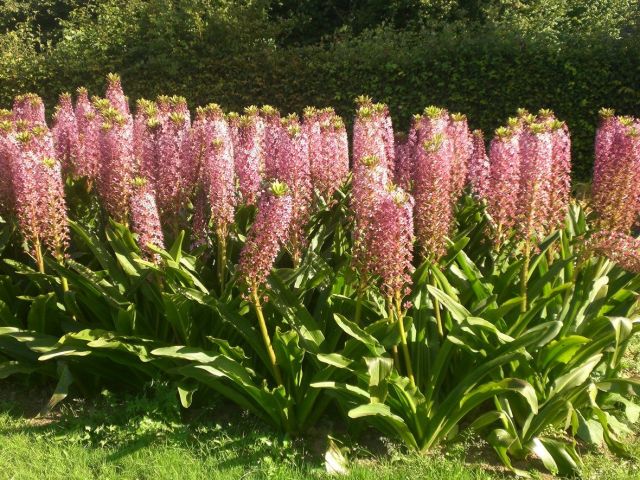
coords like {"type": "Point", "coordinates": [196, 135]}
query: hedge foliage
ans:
{"type": "Point", "coordinates": [227, 53]}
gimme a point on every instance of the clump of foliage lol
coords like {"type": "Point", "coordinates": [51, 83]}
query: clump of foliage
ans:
{"type": "Point", "coordinates": [421, 286]}
{"type": "Point", "coordinates": [495, 55]}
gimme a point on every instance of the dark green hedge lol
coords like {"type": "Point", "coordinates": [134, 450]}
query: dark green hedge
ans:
{"type": "Point", "coordinates": [485, 75]}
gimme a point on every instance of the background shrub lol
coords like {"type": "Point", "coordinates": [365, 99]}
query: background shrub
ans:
{"type": "Point", "coordinates": [482, 57]}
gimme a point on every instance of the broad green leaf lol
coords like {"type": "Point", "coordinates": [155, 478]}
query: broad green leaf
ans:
{"type": "Point", "coordinates": [564, 456]}
{"type": "Point", "coordinates": [486, 419]}
{"type": "Point", "coordinates": [11, 367]}
{"type": "Point", "coordinates": [576, 376]}
{"type": "Point", "coordinates": [296, 313]}
{"type": "Point", "coordinates": [353, 330]}
{"type": "Point", "coordinates": [185, 392]}
{"type": "Point", "coordinates": [192, 354]}
{"type": "Point", "coordinates": [501, 441]}
{"type": "Point", "coordinates": [334, 460]}
{"type": "Point", "coordinates": [458, 311]}
{"type": "Point", "coordinates": [391, 422]}
{"type": "Point", "coordinates": [62, 388]}
{"type": "Point", "coordinates": [379, 368]}
{"type": "Point", "coordinates": [539, 449]}
{"type": "Point", "coordinates": [590, 430]}
{"type": "Point", "coordinates": [100, 253]}
{"type": "Point", "coordinates": [351, 390]}
{"type": "Point", "coordinates": [623, 386]}
{"type": "Point", "coordinates": [562, 350]}
{"type": "Point", "coordinates": [335, 360]}
{"type": "Point", "coordinates": [623, 328]}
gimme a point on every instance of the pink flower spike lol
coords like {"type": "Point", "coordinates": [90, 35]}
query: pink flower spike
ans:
{"type": "Point", "coordinates": [115, 95]}
{"type": "Point", "coordinates": [432, 182]}
{"type": "Point", "coordinates": [273, 133]}
{"type": "Point", "coordinates": [171, 185]}
{"type": "Point", "coordinates": [603, 142]}
{"type": "Point", "coordinates": [373, 134]}
{"type": "Point", "coordinates": [618, 247]}
{"type": "Point", "coordinates": [65, 134]}
{"type": "Point", "coordinates": [146, 126]}
{"type": "Point", "coordinates": [249, 154]}
{"type": "Point", "coordinates": [266, 236]}
{"type": "Point", "coordinates": [370, 179]}
{"type": "Point", "coordinates": [145, 220]}
{"type": "Point", "coordinates": [478, 175]}
{"type": "Point", "coordinates": [433, 193]}
{"type": "Point", "coordinates": [38, 189]}
{"type": "Point", "coordinates": [504, 181]}
{"type": "Point", "coordinates": [29, 107]}
{"type": "Point", "coordinates": [534, 198]}
{"type": "Point", "coordinates": [405, 158]}
{"type": "Point", "coordinates": [392, 246]}
{"type": "Point", "coordinates": [616, 181]}
{"type": "Point", "coordinates": [462, 141]}
{"type": "Point", "coordinates": [560, 193]}
{"type": "Point", "coordinates": [294, 169]}
{"type": "Point", "coordinates": [118, 162]}
{"type": "Point", "coordinates": [89, 130]}
{"type": "Point", "coordinates": [217, 166]}
{"type": "Point", "coordinates": [7, 152]}
{"type": "Point", "coordinates": [328, 150]}
{"type": "Point", "coordinates": [435, 121]}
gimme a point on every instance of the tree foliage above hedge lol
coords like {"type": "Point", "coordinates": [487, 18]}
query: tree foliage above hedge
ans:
{"type": "Point", "coordinates": [483, 57]}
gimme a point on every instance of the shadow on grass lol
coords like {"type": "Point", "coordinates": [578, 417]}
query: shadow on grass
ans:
{"type": "Point", "coordinates": [119, 427]}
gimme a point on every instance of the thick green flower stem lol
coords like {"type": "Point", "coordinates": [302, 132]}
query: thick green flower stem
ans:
{"type": "Point", "coordinates": [436, 308]}
{"type": "Point", "coordinates": [394, 349]}
{"type": "Point", "coordinates": [358, 313]}
{"type": "Point", "coordinates": [63, 280]}
{"type": "Point", "coordinates": [362, 285]}
{"type": "Point", "coordinates": [296, 256]}
{"type": "Point", "coordinates": [403, 340]}
{"type": "Point", "coordinates": [222, 256]}
{"type": "Point", "coordinates": [65, 284]}
{"type": "Point", "coordinates": [265, 335]}
{"type": "Point", "coordinates": [524, 276]}
{"type": "Point", "coordinates": [39, 257]}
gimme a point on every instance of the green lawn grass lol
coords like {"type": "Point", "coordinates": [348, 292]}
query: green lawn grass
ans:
{"type": "Point", "coordinates": [149, 438]}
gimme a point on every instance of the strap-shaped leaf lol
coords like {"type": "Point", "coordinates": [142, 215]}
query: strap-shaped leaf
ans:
{"type": "Point", "coordinates": [7, 318]}
{"type": "Point", "coordinates": [11, 367]}
{"type": "Point", "coordinates": [243, 325]}
{"type": "Point", "coordinates": [564, 455]}
{"type": "Point", "coordinates": [623, 329]}
{"type": "Point", "coordinates": [296, 314]}
{"type": "Point", "coordinates": [486, 419]}
{"type": "Point", "coordinates": [389, 422]}
{"type": "Point", "coordinates": [351, 390]}
{"type": "Point", "coordinates": [379, 369]}
{"type": "Point", "coordinates": [99, 252]}
{"type": "Point", "coordinates": [451, 413]}
{"type": "Point", "coordinates": [501, 441]}
{"type": "Point", "coordinates": [458, 311]}
{"type": "Point", "coordinates": [576, 376]}
{"type": "Point", "coordinates": [289, 355]}
{"type": "Point", "coordinates": [335, 360]}
{"type": "Point", "coordinates": [624, 386]}
{"type": "Point", "coordinates": [61, 391]}
{"type": "Point", "coordinates": [186, 389]}
{"type": "Point", "coordinates": [353, 330]}
{"type": "Point", "coordinates": [247, 395]}
{"type": "Point", "coordinates": [562, 350]}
